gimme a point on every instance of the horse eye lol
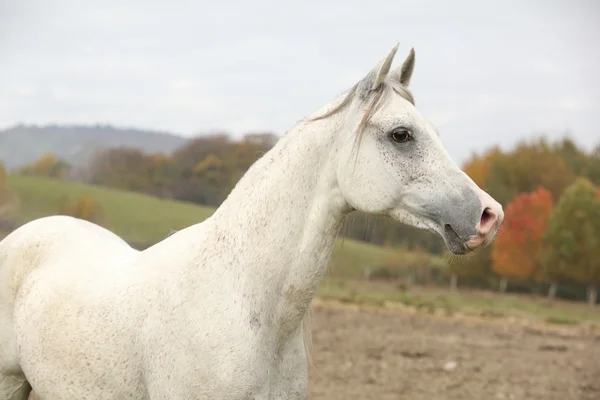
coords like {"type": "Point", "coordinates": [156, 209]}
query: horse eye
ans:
{"type": "Point", "coordinates": [401, 135]}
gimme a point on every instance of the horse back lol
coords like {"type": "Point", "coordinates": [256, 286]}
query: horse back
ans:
{"type": "Point", "coordinates": [47, 240]}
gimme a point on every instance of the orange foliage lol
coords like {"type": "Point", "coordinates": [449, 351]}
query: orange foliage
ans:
{"type": "Point", "coordinates": [524, 168]}
{"type": "Point", "coordinates": [516, 251]}
{"type": "Point", "coordinates": [479, 167]}
{"type": "Point", "coordinates": [84, 208]}
{"type": "Point", "coordinates": [49, 165]}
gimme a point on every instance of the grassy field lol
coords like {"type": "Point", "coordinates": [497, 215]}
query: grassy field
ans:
{"type": "Point", "coordinates": [133, 216]}
{"type": "Point", "coordinates": [351, 258]}
{"type": "Point", "coordinates": [439, 300]}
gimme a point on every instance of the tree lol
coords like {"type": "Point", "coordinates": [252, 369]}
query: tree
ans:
{"type": "Point", "coordinates": [84, 208]}
{"type": "Point", "coordinates": [479, 167]}
{"type": "Point", "coordinates": [121, 168]}
{"type": "Point", "coordinates": [593, 170]}
{"type": "Point", "coordinates": [197, 149]}
{"type": "Point", "coordinates": [49, 165]}
{"type": "Point", "coordinates": [161, 175]}
{"type": "Point", "coordinates": [527, 167]}
{"type": "Point", "coordinates": [516, 250]}
{"type": "Point", "coordinates": [571, 246]}
{"type": "Point", "coordinates": [211, 175]}
{"type": "Point", "coordinates": [210, 169]}
{"type": "Point", "coordinates": [578, 160]}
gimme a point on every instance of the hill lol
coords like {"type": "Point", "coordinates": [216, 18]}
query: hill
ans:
{"type": "Point", "coordinates": [23, 144]}
{"type": "Point", "coordinates": [134, 216]}
{"type": "Point", "coordinates": [145, 220]}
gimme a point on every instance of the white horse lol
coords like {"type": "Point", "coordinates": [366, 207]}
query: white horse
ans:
{"type": "Point", "coordinates": [216, 310]}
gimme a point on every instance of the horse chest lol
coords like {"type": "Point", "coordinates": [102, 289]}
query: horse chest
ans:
{"type": "Point", "coordinates": [230, 373]}
{"type": "Point", "coordinates": [199, 353]}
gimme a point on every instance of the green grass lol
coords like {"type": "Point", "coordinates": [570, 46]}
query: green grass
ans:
{"type": "Point", "coordinates": [467, 302]}
{"type": "Point", "coordinates": [133, 216]}
{"type": "Point", "coordinates": [350, 258]}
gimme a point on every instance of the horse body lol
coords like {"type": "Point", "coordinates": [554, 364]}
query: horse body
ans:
{"type": "Point", "coordinates": [64, 278]}
{"type": "Point", "coordinates": [216, 310]}
{"type": "Point", "coordinates": [127, 324]}
{"type": "Point", "coordinates": [182, 319]}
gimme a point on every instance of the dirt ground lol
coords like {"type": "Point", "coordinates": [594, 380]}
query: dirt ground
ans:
{"type": "Point", "coordinates": [371, 354]}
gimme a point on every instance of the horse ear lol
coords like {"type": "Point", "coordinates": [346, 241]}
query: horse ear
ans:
{"type": "Point", "coordinates": [404, 73]}
{"type": "Point", "coordinates": [377, 75]}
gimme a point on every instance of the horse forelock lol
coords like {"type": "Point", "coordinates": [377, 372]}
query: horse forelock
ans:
{"type": "Point", "coordinates": [371, 98]}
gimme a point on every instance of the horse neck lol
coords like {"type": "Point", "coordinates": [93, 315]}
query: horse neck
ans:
{"type": "Point", "coordinates": [282, 218]}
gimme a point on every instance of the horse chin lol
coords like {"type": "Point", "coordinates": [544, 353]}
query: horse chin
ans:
{"type": "Point", "coordinates": [458, 248]}
{"type": "Point", "coordinates": [454, 243]}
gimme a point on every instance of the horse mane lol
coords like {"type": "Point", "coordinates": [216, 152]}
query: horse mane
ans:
{"type": "Point", "coordinates": [374, 98]}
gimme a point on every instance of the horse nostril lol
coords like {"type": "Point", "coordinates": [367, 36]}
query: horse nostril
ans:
{"type": "Point", "coordinates": [488, 219]}
{"type": "Point", "coordinates": [486, 216]}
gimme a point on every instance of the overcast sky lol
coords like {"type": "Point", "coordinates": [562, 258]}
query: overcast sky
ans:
{"type": "Point", "coordinates": [487, 72]}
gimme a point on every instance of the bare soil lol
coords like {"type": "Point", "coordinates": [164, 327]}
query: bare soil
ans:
{"type": "Point", "coordinates": [362, 353]}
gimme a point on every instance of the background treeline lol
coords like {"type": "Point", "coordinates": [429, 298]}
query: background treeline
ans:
{"type": "Point", "coordinates": [549, 190]}
{"type": "Point", "coordinates": [551, 235]}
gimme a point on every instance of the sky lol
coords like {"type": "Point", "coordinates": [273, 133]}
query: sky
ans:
{"type": "Point", "coordinates": [487, 73]}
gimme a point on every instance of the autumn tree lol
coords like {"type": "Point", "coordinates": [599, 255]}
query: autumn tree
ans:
{"type": "Point", "coordinates": [527, 167]}
{"type": "Point", "coordinates": [479, 167]}
{"type": "Point", "coordinates": [210, 170]}
{"type": "Point", "coordinates": [531, 164]}
{"type": "Point", "coordinates": [86, 207]}
{"type": "Point", "coordinates": [210, 174]}
{"type": "Point", "coordinates": [578, 160]}
{"type": "Point", "coordinates": [571, 246]}
{"type": "Point", "coordinates": [131, 169]}
{"type": "Point", "coordinates": [524, 168]}
{"type": "Point", "coordinates": [161, 174]}
{"type": "Point", "coordinates": [198, 148]}
{"type": "Point", "coordinates": [593, 168]}
{"type": "Point", "coordinates": [49, 165]}
{"type": "Point", "coordinates": [516, 250]}
{"type": "Point", "coordinates": [210, 186]}
{"type": "Point", "coordinates": [121, 168]}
